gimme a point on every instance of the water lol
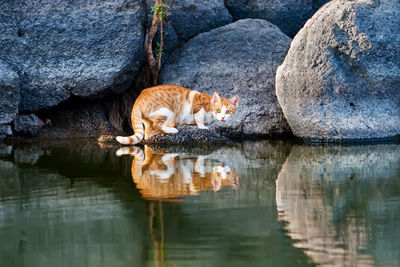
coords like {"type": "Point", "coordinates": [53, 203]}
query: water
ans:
{"type": "Point", "coordinates": [268, 203]}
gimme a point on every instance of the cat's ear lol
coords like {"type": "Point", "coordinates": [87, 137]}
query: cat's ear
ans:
{"type": "Point", "coordinates": [215, 98]}
{"type": "Point", "coordinates": [235, 101]}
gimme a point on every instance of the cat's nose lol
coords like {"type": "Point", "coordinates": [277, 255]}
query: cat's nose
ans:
{"type": "Point", "coordinates": [222, 118]}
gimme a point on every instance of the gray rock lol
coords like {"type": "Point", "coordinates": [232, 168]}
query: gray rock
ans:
{"type": "Point", "coordinates": [239, 58]}
{"type": "Point", "coordinates": [71, 48]}
{"type": "Point", "coordinates": [341, 77]}
{"type": "Point", "coordinates": [191, 17]}
{"type": "Point", "coordinates": [188, 18]}
{"type": "Point", "coordinates": [76, 121]}
{"type": "Point", "coordinates": [9, 97]}
{"type": "Point", "coordinates": [171, 42]}
{"type": "Point", "coordinates": [27, 125]}
{"type": "Point", "coordinates": [288, 15]}
{"type": "Point", "coordinates": [188, 135]}
{"type": "Point", "coordinates": [5, 129]}
{"type": "Point", "coordinates": [9, 93]}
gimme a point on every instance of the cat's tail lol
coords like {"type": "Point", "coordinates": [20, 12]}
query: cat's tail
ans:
{"type": "Point", "coordinates": [137, 126]}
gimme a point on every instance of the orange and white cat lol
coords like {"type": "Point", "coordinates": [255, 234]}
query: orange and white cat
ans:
{"type": "Point", "coordinates": [163, 107]}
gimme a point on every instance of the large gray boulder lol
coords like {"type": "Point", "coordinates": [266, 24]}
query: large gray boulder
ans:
{"type": "Point", "coordinates": [341, 77]}
{"type": "Point", "coordinates": [288, 15]}
{"type": "Point", "coordinates": [71, 48]}
{"type": "Point", "coordinates": [191, 17]}
{"type": "Point", "coordinates": [9, 97]}
{"type": "Point", "coordinates": [239, 58]}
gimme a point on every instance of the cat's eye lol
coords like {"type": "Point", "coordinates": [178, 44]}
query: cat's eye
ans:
{"type": "Point", "coordinates": [229, 112]}
{"type": "Point", "coordinates": [218, 110]}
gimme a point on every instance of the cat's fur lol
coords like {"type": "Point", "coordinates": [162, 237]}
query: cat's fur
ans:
{"type": "Point", "coordinates": [162, 107]}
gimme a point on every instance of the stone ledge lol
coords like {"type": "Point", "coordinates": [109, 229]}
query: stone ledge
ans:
{"type": "Point", "coordinates": [188, 134]}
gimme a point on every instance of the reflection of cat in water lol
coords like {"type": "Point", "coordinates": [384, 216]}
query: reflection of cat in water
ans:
{"type": "Point", "coordinates": [170, 175]}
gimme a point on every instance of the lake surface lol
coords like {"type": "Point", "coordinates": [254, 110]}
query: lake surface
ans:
{"type": "Point", "coordinates": [265, 203]}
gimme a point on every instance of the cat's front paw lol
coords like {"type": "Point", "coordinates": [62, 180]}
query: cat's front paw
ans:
{"type": "Point", "coordinates": [203, 127]}
{"type": "Point", "coordinates": [170, 130]}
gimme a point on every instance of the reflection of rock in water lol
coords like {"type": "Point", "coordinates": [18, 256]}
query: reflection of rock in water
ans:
{"type": "Point", "coordinates": [160, 175]}
{"type": "Point", "coordinates": [28, 154]}
{"type": "Point", "coordinates": [5, 150]}
{"type": "Point", "coordinates": [47, 219]}
{"type": "Point", "coordinates": [323, 193]}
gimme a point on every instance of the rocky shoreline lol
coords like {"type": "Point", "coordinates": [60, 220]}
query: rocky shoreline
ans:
{"type": "Point", "coordinates": [338, 79]}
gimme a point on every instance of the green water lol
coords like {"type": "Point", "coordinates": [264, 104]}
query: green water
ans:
{"type": "Point", "coordinates": [267, 203]}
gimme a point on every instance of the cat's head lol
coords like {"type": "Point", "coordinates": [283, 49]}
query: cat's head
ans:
{"type": "Point", "coordinates": [223, 108]}
{"type": "Point", "coordinates": [223, 175]}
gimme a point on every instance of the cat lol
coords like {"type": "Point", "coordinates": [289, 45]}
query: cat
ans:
{"type": "Point", "coordinates": [160, 175]}
{"type": "Point", "coordinates": [161, 108]}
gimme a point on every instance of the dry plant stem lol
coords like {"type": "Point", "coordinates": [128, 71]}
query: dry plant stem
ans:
{"type": "Point", "coordinates": [119, 108]}
{"type": "Point", "coordinates": [161, 45]}
{"type": "Point", "coordinates": [151, 61]}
